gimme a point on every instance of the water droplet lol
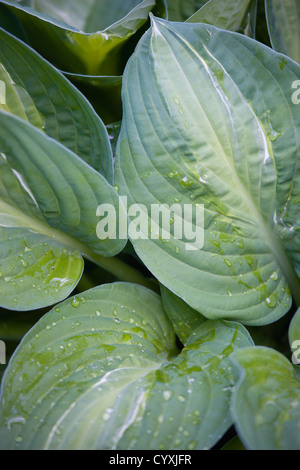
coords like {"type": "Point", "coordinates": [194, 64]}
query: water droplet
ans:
{"type": "Point", "coordinates": [116, 320]}
{"type": "Point", "coordinates": [229, 264]}
{"type": "Point", "coordinates": [75, 302]}
{"type": "Point", "coordinates": [181, 398]}
{"type": "Point", "coordinates": [270, 302]}
{"type": "Point", "coordinates": [117, 188]}
{"type": "Point", "coordinates": [167, 395]}
{"type": "Point", "coordinates": [126, 337]}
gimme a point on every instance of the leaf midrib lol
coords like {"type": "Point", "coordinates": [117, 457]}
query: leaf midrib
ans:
{"type": "Point", "coordinates": [271, 239]}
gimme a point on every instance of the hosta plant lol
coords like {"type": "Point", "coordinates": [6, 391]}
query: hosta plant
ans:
{"type": "Point", "coordinates": [126, 328]}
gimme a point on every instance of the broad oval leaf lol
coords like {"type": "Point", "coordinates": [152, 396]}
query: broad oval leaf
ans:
{"type": "Point", "coordinates": [266, 400]}
{"type": "Point", "coordinates": [283, 25]}
{"type": "Point", "coordinates": [201, 127]}
{"type": "Point", "coordinates": [90, 44]}
{"type": "Point", "coordinates": [101, 371]}
{"type": "Point", "coordinates": [48, 203]}
{"type": "Point", "coordinates": [35, 270]}
{"type": "Point", "coordinates": [39, 94]}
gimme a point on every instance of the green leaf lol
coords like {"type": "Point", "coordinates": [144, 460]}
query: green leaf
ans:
{"type": "Point", "coordinates": [90, 44]}
{"type": "Point", "coordinates": [283, 25]}
{"type": "Point", "coordinates": [102, 372]}
{"type": "Point", "coordinates": [48, 202]}
{"type": "Point", "coordinates": [266, 400]}
{"type": "Point", "coordinates": [224, 14]}
{"type": "Point", "coordinates": [184, 319]}
{"type": "Point", "coordinates": [211, 133]}
{"type": "Point", "coordinates": [39, 94]}
{"type": "Point", "coordinates": [181, 10]}
{"type": "Point", "coordinates": [35, 271]}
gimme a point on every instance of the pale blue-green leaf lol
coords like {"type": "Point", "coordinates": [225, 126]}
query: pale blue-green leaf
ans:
{"type": "Point", "coordinates": [101, 371]}
{"type": "Point", "coordinates": [38, 93]}
{"type": "Point", "coordinates": [48, 203]}
{"type": "Point", "coordinates": [35, 270]}
{"type": "Point", "coordinates": [211, 133]}
{"type": "Point", "coordinates": [90, 44]}
{"type": "Point", "coordinates": [283, 24]}
{"type": "Point", "coordinates": [266, 400]}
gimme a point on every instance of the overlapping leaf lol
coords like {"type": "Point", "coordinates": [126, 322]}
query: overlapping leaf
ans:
{"type": "Point", "coordinates": [283, 25]}
{"type": "Point", "coordinates": [102, 372]}
{"type": "Point", "coordinates": [224, 14]}
{"type": "Point", "coordinates": [38, 93]}
{"type": "Point", "coordinates": [201, 127]}
{"type": "Point", "coordinates": [266, 400]}
{"type": "Point", "coordinates": [78, 37]}
{"type": "Point", "coordinates": [48, 202]}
